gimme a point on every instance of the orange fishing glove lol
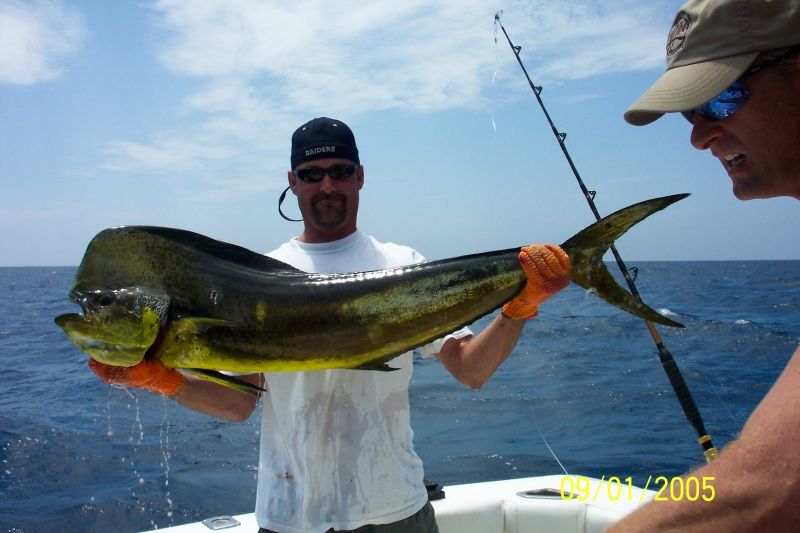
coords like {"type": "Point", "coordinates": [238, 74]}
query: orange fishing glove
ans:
{"type": "Point", "coordinates": [149, 374]}
{"type": "Point", "coordinates": [547, 267]}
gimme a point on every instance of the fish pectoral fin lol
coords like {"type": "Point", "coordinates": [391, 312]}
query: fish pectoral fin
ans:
{"type": "Point", "coordinates": [201, 325]}
{"type": "Point", "coordinates": [375, 365]}
{"type": "Point", "coordinates": [225, 380]}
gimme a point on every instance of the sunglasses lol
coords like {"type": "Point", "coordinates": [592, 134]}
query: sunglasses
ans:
{"type": "Point", "coordinates": [723, 105]}
{"type": "Point", "coordinates": [734, 97]}
{"type": "Point", "coordinates": [315, 174]}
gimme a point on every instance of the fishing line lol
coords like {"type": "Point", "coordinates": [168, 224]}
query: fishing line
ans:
{"type": "Point", "coordinates": [716, 388]}
{"type": "Point", "coordinates": [494, 98]}
{"type": "Point", "coordinates": [541, 435]}
{"type": "Point", "coordinates": [163, 441]}
{"type": "Point", "coordinates": [667, 361]}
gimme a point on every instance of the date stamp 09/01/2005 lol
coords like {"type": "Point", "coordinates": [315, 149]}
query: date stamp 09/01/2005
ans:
{"type": "Point", "coordinates": [614, 488]}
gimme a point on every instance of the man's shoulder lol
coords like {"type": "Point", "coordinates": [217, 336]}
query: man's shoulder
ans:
{"type": "Point", "coordinates": [282, 251]}
{"type": "Point", "coordinates": [400, 252]}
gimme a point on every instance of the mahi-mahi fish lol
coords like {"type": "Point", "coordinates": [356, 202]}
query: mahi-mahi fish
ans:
{"type": "Point", "coordinates": [202, 305]}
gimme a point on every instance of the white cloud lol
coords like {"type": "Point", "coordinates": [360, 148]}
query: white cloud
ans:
{"type": "Point", "coordinates": [169, 153]}
{"type": "Point", "coordinates": [360, 56]}
{"type": "Point", "coordinates": [416, 54]}
{"type": "Point", "coordinates": [573, 40]}
{"type": "Point", "coordinates": [34, 38]}
{"type": "Point", "coordinates": [264, 67]}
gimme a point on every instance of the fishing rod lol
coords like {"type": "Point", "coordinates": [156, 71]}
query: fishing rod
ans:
{"type": "Point", "coordinates": [667, 361]}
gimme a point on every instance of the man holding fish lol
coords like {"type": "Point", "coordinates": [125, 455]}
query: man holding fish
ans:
{"type": "Point", "coordinates": [336, 445]}
{"type": "Point", "coordinates": [734, 72]}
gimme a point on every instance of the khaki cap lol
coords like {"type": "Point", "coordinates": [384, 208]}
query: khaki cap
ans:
{"type": "Point", "coordinates": [710, 45]}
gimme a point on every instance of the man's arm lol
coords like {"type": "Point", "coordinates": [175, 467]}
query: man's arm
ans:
{"type": "Point", "coordinates": [195, 393]}
{"type": "Point", "coordinates": [217, 400]}
{"type": "Point", "coordinates": [472, 360]}
{"type": "Point", "coordinates": [756, 480]}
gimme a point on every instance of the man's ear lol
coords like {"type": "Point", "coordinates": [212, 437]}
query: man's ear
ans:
{"type": "Point", "coordinates": [292, 182]}
{"type": "Point", "coordinates": [360, 176]}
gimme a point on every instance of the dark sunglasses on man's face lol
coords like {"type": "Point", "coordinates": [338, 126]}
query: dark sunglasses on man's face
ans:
{"type": "Point", "coordinates": [315, 174]}
{"type": "Point", "coordinates": [734, 97]}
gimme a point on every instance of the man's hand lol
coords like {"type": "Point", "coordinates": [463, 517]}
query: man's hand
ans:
{"type": "Point", "coordinates": [149, 374]}
{"type": "Point", "coordinates": [547, 267]}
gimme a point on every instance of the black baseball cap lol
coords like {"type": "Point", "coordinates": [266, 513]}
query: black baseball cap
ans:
{"type": "Point", "coordinates": [321, 138]}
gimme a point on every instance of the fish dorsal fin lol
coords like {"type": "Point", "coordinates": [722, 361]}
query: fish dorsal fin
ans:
{"type": "Point", "coordinates": [222, 250]}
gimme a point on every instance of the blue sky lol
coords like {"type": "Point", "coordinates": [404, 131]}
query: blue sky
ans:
{"type": "Point", "coordinates": [179, 113]}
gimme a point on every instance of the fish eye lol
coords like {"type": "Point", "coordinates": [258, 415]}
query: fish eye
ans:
{"type": "Point", "coordinates": [105, 299]}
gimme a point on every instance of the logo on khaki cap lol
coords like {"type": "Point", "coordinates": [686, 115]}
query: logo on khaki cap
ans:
{"type": "Point", "coordinates": [677, 34]}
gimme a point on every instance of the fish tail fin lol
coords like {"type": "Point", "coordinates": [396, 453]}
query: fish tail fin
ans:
{"type": "Point", "coordinates": [226, 380]}
{"type": "Point", "coordinates": [587, 247]}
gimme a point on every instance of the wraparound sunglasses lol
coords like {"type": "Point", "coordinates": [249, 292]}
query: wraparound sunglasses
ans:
{"type": "Point", "coordinates": [315, 174]}
{"type": "Point", "coordinates": [734, 97]}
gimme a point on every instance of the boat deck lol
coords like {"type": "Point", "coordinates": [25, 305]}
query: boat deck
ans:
{"type": "Point", "coordinates": [559, 504]}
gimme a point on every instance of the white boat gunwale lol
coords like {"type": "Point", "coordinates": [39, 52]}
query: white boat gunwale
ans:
{"type": "Point", "coordinates": [504, 506]}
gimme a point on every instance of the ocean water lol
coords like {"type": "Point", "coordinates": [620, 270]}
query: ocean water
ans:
{"type": "Point", "coordinates": [585, 382]}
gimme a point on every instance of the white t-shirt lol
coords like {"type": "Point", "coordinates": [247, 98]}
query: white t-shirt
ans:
{"type": "Point", "coordinates": [336, 445]}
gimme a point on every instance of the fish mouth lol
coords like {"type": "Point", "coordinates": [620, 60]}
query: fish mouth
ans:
{"type": "Point", "coordinates": [123, 341]}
